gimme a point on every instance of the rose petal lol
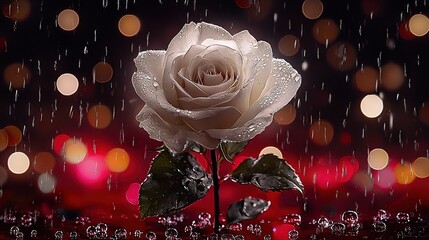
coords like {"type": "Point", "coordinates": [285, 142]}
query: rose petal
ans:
{"type": "Point", "coordinates": [145, 80]}
{"type": "Point", "coordinates": [223, 118]}
{"type": "Point", "coordinates": [193, 83]}
{"type": "Point", "coordinates": [240, 100]}
{"type": "Point", "coordinates": [242, 133]}
{"type": "Point", "coordinates": [189, 88]}
{"type": "Point", "coordinates": [191, 103]}
{"type": "Point", "coordinates": [247, 83]}
{"type": "Point", "coordinates": [245, 41]}
{"type": "Point", "coordinates": [212, 80]}
{"type": "Point", "coordinates": [173, 136]}
{"type": "Point", "coordinates": [259, 116]}
{"type": "Point", "coordinates": [284, 83]}
{"type": "Point", "coordinates": [228, 43]}
{"type": "Point", "coordinates": [194, 51]}
{"type": "Point", "coordinates": [174, 61]}
{"type": "Point", "coordinates": [192, 34]}
{"type": "Point", "coordinates": [146, 83]}
{"type": "Point", "coordinates": [231, 55]}
{"type": "Point", "coordinates": [258, 68]}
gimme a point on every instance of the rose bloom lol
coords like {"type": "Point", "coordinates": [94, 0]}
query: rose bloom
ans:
{"type": "Point", "coordinates": [211, 86]}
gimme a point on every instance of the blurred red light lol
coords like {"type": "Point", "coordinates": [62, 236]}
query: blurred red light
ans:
{"type": "Point", "coordinates": [92, 169]}
{"type": "Point", "coordinates": [59, 141]}
{"type": "Point", "coordinates": [132, 194]}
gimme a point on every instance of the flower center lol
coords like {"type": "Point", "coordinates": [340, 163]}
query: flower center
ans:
{"type": "Point", "coordinates": [209, 75]}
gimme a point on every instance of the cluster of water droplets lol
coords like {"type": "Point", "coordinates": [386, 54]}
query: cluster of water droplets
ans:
{"type": "Point", "coordinates": [178, 226]}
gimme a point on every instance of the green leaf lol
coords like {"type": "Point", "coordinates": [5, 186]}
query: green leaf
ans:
{"type": "Point", "coordinates": [173, 182]}
{"type": "Point", "coordinates": [246, 208]}
{"type": "Point", "coordinates": [230, 149]}
{"type": "Point", "coordinates": [268, 173]}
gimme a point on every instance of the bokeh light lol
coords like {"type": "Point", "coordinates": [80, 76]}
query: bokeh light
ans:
{"type": "Point", "coordinates": [326, 176]}
{"type": "Point", "coordinates": [321, 132]}
{"type": "Point", "coordinates": [129, 25]}
{"type": "Point", "coordinates": [271, 150]}
{"type": "Point", "coordinates": [325, 31]}
{"type": "Point", "coordinates": [392, 76]}
{"type": "Point", "coordinates": [14, 135]}
{"type": "Point", "coordinates": [3, 43]}
{"type": "Point", "coordinates": [68, 20]}
{"type": "Point", "coordinates": [286, 115]}
{"type": "Point", "coordinates": [371, 7]}
{"type": "Point", "coordinates": [46, 183]}
{"type": "Point", "coordinates": [59, 142]}
{"type": "Point", "coordinates": [345, 138]}
{"type": "Point", "coordinates": [289, 45]}
{"type": "Point", "coordinates": [347, 167]}
{"type": "Point", "coordinates": [312, 9]}
{"type": "Point", "coordinates": [16, 75]}
{"type": "Point", "coordinates": [421, 167]}
{"type": "Point", "coordinates": [378, 159]}
{"type": "Point", "coordinates": [243, 3]}
{"type": "Point", "coordinates": [404, 173]}
{"type": "Point", "coordinates": [3, 176]}
{"type": "Point", "coordinates": [18, 162]}
{"type": "Point", "coordinates": [117, 160]}
{"type": "Point", "coordinates": [341, 56]}
{"type": "Point", "coordinates": [4, 140]}
{"type": "Point", "coordinates": [367, 79]}
{"type": "Point", "coordinates": [385, 178]}
{"type": "Point", "coordinates": [43, 162]}
{"type": "Point", "coordinates": [371, 106]}
{"type": "Point", "coordinates": [99, 116]}
{"type": "Point", "coordinates": [67, 84]}
{"type": "Point", "coordinates": [404, 31]}
{"type": "Point", "coordinates": [18, 10]}
{"type": "Point", "coordinates": [424, 113]}
{"type": "Point", "coordinates": [132, 193]}
{"type": "Point", "coordinates": [363, 180]}
{"type": "Point", "coordinates": [92, 169]}
{"type": "Point", "coordinates": [74, 151]}
{"type": "Point", "coordinates": [419, 25]}
{"type": "Point", "coordinates": [102, 72]}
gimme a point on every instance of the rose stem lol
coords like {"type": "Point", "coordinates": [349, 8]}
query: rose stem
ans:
{"type": "Point", "coordinates": [216, 190]}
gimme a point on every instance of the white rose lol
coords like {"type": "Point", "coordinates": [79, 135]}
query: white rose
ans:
{"type": "Point", "coordinates": [210, 86]}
